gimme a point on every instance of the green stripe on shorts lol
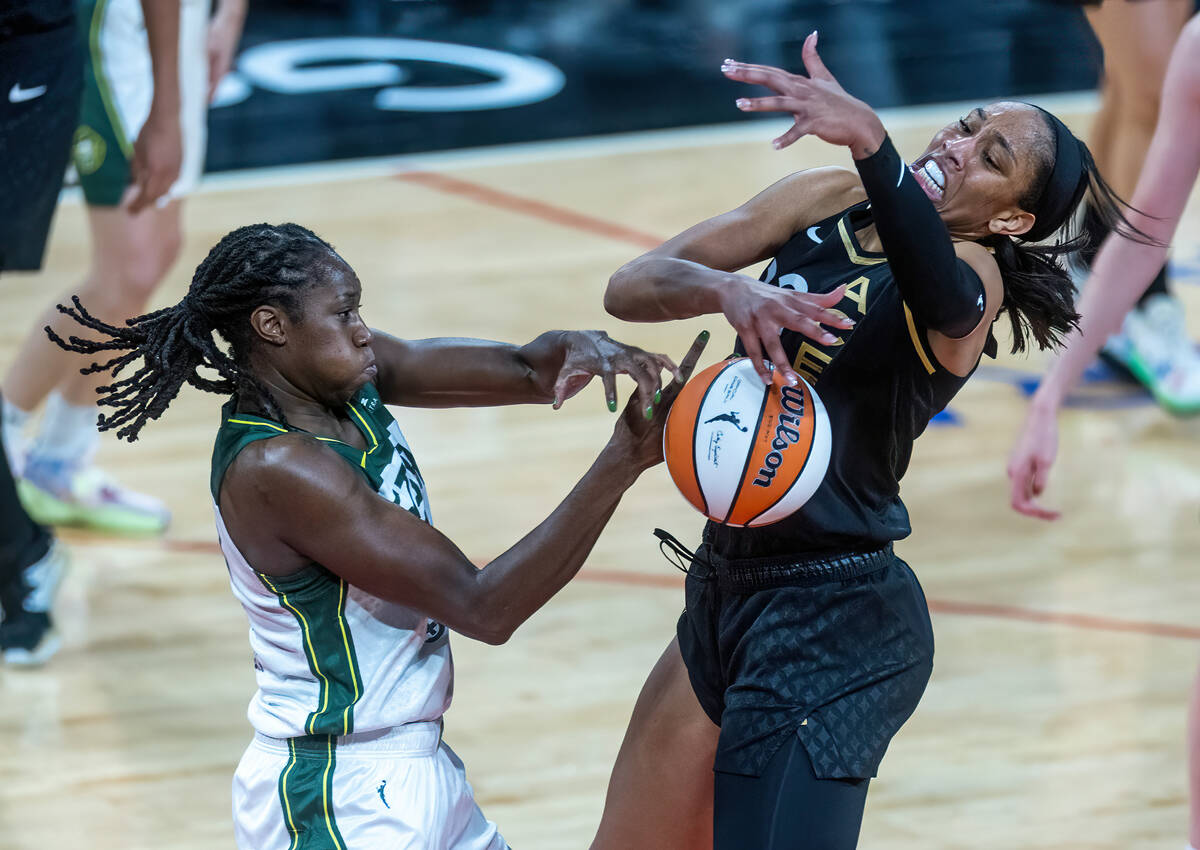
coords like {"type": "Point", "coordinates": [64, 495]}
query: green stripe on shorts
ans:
{"type": "Point", "coordinates": [101, 151]}
{"type": "Point", "coordinates": [306, 794]}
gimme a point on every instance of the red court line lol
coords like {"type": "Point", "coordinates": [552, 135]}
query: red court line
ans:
{"type": "Point", "coordinates": [670, 581]}
{"type": "Point", "coordinates": [530, 207]}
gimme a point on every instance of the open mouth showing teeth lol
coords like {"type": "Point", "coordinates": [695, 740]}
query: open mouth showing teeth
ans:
{"type": "Point", "coordinates": [931, 179]}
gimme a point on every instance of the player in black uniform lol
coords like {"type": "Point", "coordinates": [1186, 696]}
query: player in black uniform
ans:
{"type": "Point", "coordinates": [41, 78]}
{"type": "Point", "coordinates": [808, 642]}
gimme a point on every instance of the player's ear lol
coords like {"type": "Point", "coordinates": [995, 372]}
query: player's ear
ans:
{"type": "Point", "coordinates": [269, 324]}
{"type": "Point", "coordinates": [1011, 222]}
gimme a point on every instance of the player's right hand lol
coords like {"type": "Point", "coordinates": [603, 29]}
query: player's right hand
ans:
{"type": "Point", "coordinates": [642, 438]}
{"type": "Point", "coordinates": [1030, 462]}
{"type": "Point", "coordinates": [157, 158]}
{"type": "Point", "coordinates": [758, 312]}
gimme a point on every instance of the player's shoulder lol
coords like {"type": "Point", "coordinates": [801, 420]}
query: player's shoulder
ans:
{"type": "Point", "coordinates": [807, 197]}
{"type": "Point", "coordinates": [984, 264]}
{"type": "Point", "coordinates": [830, 185]}
{"type": "Point", "coordinates": [289, 466]}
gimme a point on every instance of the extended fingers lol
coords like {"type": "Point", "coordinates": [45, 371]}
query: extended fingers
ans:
{"type": "Point", "coordinates": [794, 134]}
{"type": "Point", "coordinates": [774, 103]}
{"type": "Point", "coordinates": [779, 358]}
{"type": "Point", "coordinates": [812, 61]}
{"type": "Point", "coordinates": [759, 75]}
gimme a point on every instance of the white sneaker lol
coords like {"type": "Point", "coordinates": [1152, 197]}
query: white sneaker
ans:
{"type": "Point", "coordinates": [1153, 344]}
{"type": "Point", "coordinates": [54, 494]}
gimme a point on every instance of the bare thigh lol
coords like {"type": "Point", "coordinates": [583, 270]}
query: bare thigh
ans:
{"type": "Point", "coordinates": [660, 795]}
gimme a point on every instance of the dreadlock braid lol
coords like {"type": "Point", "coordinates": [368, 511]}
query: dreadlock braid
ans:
{"type": "Point", "coordinates": [251, 266]}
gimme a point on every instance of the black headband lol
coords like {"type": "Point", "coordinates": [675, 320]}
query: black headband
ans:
{"type": "Point", "coordinates": [1064, 187]}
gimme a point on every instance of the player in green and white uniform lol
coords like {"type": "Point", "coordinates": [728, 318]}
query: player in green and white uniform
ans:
{"type": "Point", "coordinates": [324, 520]}
{"type": "Point", "coordinates": [151, 67]}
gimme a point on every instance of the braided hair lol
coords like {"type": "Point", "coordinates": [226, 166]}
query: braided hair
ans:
{"type": "Point", "coordinates": [251, 266]}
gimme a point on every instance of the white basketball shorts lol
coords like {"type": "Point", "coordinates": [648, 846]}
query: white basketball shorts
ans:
{"type": "Point", "coordinates": [401, 789]}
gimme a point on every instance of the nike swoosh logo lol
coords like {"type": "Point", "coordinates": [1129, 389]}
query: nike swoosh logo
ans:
{"type": "Point", "coordinates": [19, 95]}
{"type": "Point", "coordinates": [812, 234]}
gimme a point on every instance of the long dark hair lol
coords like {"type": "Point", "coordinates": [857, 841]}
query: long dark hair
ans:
{"type": "Point", "coordinates": [251, 266]}
{"type": "Point", "coordinates": [1039, 294]}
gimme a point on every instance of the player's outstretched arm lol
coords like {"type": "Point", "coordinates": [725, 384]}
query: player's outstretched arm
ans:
{"type": "Point", "coordinates": [307, 505]}
{"type": "Point", "coordinates": [478, 373]}
{"type": "Point", "coordinates": [695, 273]}
{"type": "Point", "coordinates": [158, 150]}
{"type": "Point", "coordinates": [1122, 270]}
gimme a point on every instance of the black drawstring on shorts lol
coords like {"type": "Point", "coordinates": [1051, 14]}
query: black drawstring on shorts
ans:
{"type": "Point", "coordinates": [677, 555]}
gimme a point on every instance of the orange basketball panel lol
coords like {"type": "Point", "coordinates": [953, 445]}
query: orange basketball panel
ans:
{"type": "Point", "coordinates": [680, 431]}
{"type": "Point", "coordinates": [780, 451]}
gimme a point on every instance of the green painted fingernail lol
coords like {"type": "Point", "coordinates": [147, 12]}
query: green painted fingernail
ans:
{"type": "Point", "coordinates": [650, 412]}
{"type": "Point", "coordinates": [657, 396]}
{"type": "Point", "coordinates": [612, 405]}
{"type": "Point", "coordinates": [704, 336]}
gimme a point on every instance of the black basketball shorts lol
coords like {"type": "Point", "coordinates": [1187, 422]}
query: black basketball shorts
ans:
{"type": "Point", "coordinates": [842, 663]}
{"type": "Point", "coordinates": [41, 78]}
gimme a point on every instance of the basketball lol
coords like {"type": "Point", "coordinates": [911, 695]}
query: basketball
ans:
{"type": "Point", "coordinates": [743, 453]}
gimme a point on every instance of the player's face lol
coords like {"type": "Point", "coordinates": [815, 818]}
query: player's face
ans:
{"type": "Point", "coordinates": [978, 168]}
{"type": "Point", "coordinates": [331, 345]}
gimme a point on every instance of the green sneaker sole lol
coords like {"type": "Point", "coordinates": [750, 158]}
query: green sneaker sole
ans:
{"type": "Point", "coordinates": [1147, 378]}
{"type": "Point", "coordinates": [47, 509]}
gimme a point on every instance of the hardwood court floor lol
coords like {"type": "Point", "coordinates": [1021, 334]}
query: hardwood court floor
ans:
{"type": "Point", "coordinates": [1055, 718]}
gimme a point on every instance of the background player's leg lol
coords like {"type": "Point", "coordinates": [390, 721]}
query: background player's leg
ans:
{"type": "Point", "coordinates": [788, 807]}
{"type": "Point", "coordinates": [131, 254]}
{"type": "Point", "coordinates": [661, 790]}
{"type": "Point", "coordinates": [1137, 39]}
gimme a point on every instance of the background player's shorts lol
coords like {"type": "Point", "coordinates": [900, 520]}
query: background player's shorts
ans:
{"type": "Point", "coordinates": [40, 82]}
{"type": "Point", "coordinates": [118, 87]}
{"type": "Point", "coordinates": [402, 789]}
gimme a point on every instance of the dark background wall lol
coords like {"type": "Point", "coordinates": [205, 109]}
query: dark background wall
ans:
{"type": "Point", "coordinates": [602, 66]}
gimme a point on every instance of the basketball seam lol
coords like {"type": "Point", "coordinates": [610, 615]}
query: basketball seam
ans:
{"type": "Point", "coordinates": [803, 466]}
{"type": "Point", "coordinates": [796, 480]}
{"type": "Point", "coordinates": [696, 432]}
{"type": "Point", "coordinates": [762, 407]}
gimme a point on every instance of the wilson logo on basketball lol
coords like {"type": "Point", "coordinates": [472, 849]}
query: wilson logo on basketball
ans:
{"type": "Point", "coordinates": [787, 433]}
{"type": "Point", "coordinates": [773, 441]}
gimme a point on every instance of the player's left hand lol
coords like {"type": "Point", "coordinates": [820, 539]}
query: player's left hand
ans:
{"type": "Point", "coordinates": [592, 353]}
{"type": "Point", "coordinates": [1030, 462]}
{"type": "Point", "coordinates": [224, 32]}
{"type": "Point", "coordinates": [818, 104]}
{"type": "Point", "coordinates": [157, 158]}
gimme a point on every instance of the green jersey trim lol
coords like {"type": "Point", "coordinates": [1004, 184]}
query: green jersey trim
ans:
{"type": "Point", "coordinates": [317, 599]}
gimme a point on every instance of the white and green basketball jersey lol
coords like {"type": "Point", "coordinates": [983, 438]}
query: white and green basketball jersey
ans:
{"type": "Point", "coordinates": [332, 659]}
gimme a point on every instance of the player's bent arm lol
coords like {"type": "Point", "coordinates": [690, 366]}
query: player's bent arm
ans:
{"type": "Point", "coordinates": [693, 273]}
{"type": "Point", "coordinates": [472, 372]}
{"type": "Point", "coordinates": [1123, 268]}
{"type": "Point", "coordinates": [960, 354]}
{"type": "Point", "coordinates": [308, 502]}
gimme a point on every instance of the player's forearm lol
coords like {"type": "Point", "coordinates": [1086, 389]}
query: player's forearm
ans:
{"type": "Point", "coordinates": [232, 10]}
{"type": "Point", "coordinates": [515, 585]}
{"type": "Point", "coordinates": [162, 33]}
{"type": "Point", "coordinates": [659, 289]}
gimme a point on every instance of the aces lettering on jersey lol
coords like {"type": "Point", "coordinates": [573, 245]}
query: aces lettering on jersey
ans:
{"type": "Point", "coordinates": [812, 358]}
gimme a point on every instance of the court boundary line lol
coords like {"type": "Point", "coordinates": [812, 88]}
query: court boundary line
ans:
{"type": "Point", "coordinates": [580, 147]}
{"type": "Point", "coordinates": [668, 581]}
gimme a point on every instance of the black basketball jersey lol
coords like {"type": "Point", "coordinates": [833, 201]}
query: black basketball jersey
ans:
{"type": "Point", "coordinates": [18, 17]}
{"type": "Point", "coordinates": [880, 383]}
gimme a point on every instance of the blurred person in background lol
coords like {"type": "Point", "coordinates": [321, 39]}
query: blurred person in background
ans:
{"type": "Point", "coordinates": [150, 70]}
{"type": "Point", "coordinates": [1122, 271]}
{"type": "Point", "coordinates": [1137, 36]}
{"type": "Point", "coordinates": [41, 77]}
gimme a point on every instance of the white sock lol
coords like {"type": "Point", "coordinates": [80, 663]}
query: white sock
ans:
{"type": "Point", "coordinates": [67, 433]}
{"type": "Point", "coordinates": [13, 421]}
